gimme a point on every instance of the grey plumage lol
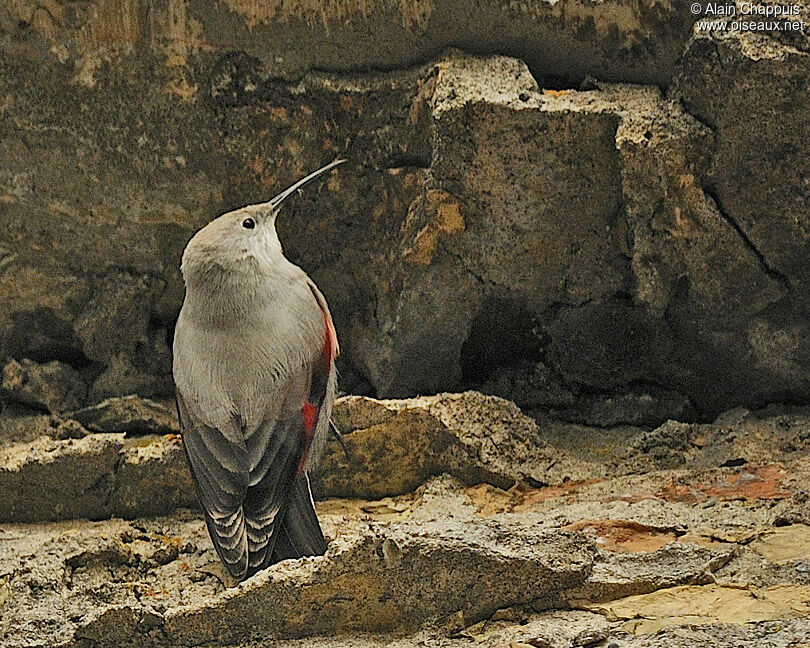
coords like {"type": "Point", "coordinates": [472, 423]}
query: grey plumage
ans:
{"type": "Point", "coordinates": [254, 351]}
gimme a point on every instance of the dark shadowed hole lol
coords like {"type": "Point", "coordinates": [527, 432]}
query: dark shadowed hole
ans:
{"type": "Point", "coordinates": [501, 336]}
{"type": "Point", "coordinates": [42, 336]}
{"type": "Point", "coordinates": [351, 380]}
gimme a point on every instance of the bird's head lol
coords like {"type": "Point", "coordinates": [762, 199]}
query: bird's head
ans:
{"type": "Point", "coordinates": [243, 241]}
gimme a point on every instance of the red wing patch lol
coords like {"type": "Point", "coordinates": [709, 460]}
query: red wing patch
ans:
{"type": "Point", "coordinates": [319, 381]}
{"type": "Point", "coordinates": [309, 413]}
{"type": "Point", "coordinates": [309, 416]}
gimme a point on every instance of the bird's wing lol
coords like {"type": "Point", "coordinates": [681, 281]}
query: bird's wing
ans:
{"type": "Point", "coordinates": [278, 452]}
{"type": "Point", "coordinates": [300, 533]}
{"type": "Point", "coordinates": [221, 470]}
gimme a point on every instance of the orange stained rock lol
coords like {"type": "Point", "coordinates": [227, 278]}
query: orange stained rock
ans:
{"type": "Point", "coordinates": [624, 535]}
{"type": "Point", "coordinates": [751, 482]}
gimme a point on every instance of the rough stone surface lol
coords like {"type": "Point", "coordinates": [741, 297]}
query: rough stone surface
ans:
{"type": "Point", "coordinates": [773, 635]}
{"type": "Point", "coordinates": [20, 425]}
{"type": "Point", "coordinates": [630, 574]}
{"type": "Point", "coordinates": [486, 245]}
{"type": "Point", "coordinates": [398, 579]}
{"type": "Point", "coordinates": [737, 83]}
{"type": "Point", "coordinates": [741, 84]}
{"type": "Point", "coordinates": [374, 578]}
{"type": "Point", "coordinates": [95, 476]}
{"type": "Point", "coordinates": [128, 414]}
{"type": "Point", "coordinates": [53, 386]}
{"type": "Point", "coordinates": [646, 551]}
{"type": "Point", "coordinates": [394, 446]}
{"type": "Point", "coordinates": [563, 629]}
{"type": "Point", "coordinates": [700, 605]}
{"type": "Point", "coordinates": [566, 40]}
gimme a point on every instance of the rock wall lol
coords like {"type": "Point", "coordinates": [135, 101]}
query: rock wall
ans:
{"type": "Point", "coordinates": [591, 208]}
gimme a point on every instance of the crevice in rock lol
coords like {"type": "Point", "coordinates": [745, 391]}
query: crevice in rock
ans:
{"type": "Point", "coordinates": [694, 115]}
{"type": "Point", "coordinates": [404, 162]}
{"type": "Point", "coordinates": [463, 264]}
{"type": "Point", "coordinates": [777, 276]}
{"type": "Point", "coordinates": [112, 492]}
{"type": "Point", "coordinates": [581, 416]}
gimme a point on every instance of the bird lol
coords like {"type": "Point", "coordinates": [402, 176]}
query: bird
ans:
{"type": "Point", "coordinates": [254, 370]}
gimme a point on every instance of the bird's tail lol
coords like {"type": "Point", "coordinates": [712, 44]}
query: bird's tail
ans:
{"type": "Point", "coordinates": [300, 532]}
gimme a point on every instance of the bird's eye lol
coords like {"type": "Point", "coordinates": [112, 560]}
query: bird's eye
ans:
{"type": "Point", "coordinates": [248, 223]}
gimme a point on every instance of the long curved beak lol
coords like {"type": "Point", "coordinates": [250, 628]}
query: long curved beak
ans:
{"type": "Point", "coordinates": [275, 203]}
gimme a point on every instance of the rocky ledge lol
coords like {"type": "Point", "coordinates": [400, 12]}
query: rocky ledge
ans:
{"type": "Point", "coordinates": [454, 521]}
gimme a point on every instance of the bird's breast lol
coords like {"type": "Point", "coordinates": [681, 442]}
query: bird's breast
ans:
{"type": "Point", "coordinates": [238, 370]}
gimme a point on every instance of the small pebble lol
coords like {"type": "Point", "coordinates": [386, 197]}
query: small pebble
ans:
{"type": "Point", "coordinates": [165, 555]}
